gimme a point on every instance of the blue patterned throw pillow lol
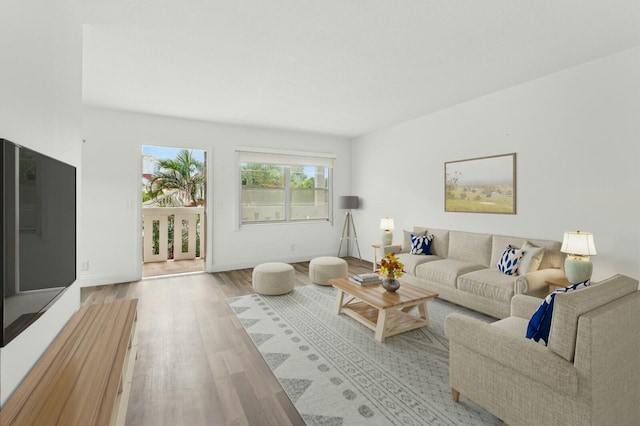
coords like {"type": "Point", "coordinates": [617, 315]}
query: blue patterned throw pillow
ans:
{"type": "Point", "coordinates": [540, 323]}
{"type": "Point", "coordinates": [421, 245]}
{"type": "Point", "coordinates": [510, 260]}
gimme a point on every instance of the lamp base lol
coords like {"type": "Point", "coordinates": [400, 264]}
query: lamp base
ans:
{"type": "Point", "coordinates": [387, 237]}
{"type": "Point", "coordinates": [577, 268]}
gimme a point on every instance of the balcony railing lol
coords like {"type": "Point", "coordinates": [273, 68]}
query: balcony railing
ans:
{"type": "Point", "coordinates": [172, 233]}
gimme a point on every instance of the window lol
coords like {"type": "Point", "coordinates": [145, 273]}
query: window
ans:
{"type": "Point", "coordinates": [284, 187]}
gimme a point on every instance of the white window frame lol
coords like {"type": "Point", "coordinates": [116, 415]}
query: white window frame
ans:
{"type": "Point", "coordinates": [283, 158]}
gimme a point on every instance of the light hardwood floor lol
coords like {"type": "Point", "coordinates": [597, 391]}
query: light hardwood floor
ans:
{"type": "Point", "coordinates": [154, 269]}
{"type": "Point", "coordinates": [196, 365]}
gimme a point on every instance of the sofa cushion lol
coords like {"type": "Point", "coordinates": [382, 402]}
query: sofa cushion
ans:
{"type": "Point", "coordinates": [510, 261]}
{"type": "Point", "coordinates": [406, 237]}
{"type": "Point", "coordinates": [553, 257]}
{"type": "Point", "coordinates": [445, 271]}
{"type": "Point", "coordinates": [470, 247]}
{"type": "Point", "coordinates": [421, 245]}
{"type": "Point", "coordinates": [411, 261]}
{"type": "Point", "coordinates": [440, 243]}
{"type": "Point", "coordinates": [569, 306]}
{"type": "Point", "coordinates": [531, 258]}
{"type": "Point", "coordinates": [489, 283]}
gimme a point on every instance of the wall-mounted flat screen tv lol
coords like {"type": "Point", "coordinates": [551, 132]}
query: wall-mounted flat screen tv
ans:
{"type": "Point", "coordinates": [38, 234]}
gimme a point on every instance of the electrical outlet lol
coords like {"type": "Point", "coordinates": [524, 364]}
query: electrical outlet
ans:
{"type": "Point", "coordinates": [84, 266]}
{"type": "Point", "coordinates": [293, 246]}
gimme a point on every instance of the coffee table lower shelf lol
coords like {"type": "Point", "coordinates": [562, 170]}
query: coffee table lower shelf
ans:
{"type": "Point", "coordinates": [387, 314]}
{"type": "Point", "coordinates": [386, 323]}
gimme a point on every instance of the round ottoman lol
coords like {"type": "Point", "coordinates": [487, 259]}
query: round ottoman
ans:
{"type": "Point", "coordinates": [322, 269]}
{"type": "Point", "coordinates": [273, 278]}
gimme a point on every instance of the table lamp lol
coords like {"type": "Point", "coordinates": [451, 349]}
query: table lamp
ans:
{"type": "Point", "coordinates": [386, 224]}
{"type": "Point", "coordinates": [578, 246]}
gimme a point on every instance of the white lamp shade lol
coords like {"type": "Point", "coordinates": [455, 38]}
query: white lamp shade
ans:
{"type": "Point", "coordinates": [386, 223]}
{"type": "Point", "coordinates": [580, 243]}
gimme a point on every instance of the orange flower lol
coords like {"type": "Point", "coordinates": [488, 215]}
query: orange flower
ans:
{"type": "Point", "coordinates": [390, 266]}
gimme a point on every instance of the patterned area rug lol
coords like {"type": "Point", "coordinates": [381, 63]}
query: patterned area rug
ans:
{"type": "Point", "coordinates": [335, 373]}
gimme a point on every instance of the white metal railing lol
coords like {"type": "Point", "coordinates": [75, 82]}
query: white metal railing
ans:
{"type": "Point", "coordinates": [156, 223]}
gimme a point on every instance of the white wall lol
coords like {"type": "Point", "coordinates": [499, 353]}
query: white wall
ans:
{"type": "Point", "coordinates": [577, 139]}
{"type": "Point", "coordinates": [111, 158]}
{"type": "Point", "coordinates": [41, 93]}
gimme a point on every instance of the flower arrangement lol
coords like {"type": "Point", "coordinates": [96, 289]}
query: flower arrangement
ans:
{"type": "Point", "coordinates": [390, 266]}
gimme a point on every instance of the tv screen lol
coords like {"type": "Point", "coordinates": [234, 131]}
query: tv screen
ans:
{"type": "Point", "coordinates": [38, 234]}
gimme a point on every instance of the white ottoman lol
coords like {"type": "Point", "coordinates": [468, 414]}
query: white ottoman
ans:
{"type": "Point", "coordinates": [273, 278]}
{"type": "Point", "coordinates": [322, 269]}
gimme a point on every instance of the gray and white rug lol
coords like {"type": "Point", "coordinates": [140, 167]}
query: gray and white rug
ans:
{"type": "Point", "coordinates": [335, 373]}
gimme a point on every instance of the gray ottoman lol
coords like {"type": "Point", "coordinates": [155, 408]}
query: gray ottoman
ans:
{"type": "Point", "coordinates": [322, 269]}
{"type": "Point", "coordinates": [273, 278]}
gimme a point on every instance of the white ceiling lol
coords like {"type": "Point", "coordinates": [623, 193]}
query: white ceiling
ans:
{"type": "Point", "coordinates": [341, 67]}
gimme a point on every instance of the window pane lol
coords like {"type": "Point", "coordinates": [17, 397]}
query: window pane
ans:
{"type": "Point", "coordinates": [309, 203]}
{"type": "Point", "coordinates": [272, 192]}
{"type": "Point", "coordinates": [263, 192]}
{"type": "Point", "coordinates": [309, 193]}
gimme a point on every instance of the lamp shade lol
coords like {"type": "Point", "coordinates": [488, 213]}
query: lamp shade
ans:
{"type": "Point", "coordinates": [386, 223]}
{"type": "Point", "coordinates": [577, 242]}
{"type": "Point", "coordinates": [349, 202]}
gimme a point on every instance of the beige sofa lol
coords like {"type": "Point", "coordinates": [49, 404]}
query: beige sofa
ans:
{"type": "Point", "coordinates": [589, 374]}
{"type": "Point", "coordinates": [463, 268]}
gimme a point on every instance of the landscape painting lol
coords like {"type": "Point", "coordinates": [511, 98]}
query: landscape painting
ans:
{"type": "Point", "coordinates": [481, 185]}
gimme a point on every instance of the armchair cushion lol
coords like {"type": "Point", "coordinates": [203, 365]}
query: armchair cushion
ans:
{"type": "Point", "coordinates": [515, 325]}
{"type": "Point", "coordinates": [512, 351]}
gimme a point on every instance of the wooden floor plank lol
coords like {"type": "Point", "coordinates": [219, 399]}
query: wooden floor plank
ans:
{"type": "Point", "coordinates": [196, 364]}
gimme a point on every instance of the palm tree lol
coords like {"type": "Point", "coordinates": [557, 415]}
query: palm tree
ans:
{"type": "Point", "coordinates": [184, 174]}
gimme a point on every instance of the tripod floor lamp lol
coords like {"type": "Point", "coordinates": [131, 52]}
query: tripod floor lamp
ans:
{"type": "Point", "coordinates": [349, 202]}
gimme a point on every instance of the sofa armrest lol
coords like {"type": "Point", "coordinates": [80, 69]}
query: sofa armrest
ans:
{"type": "Point", "coordinates": [535, 280]}
{"type": "Point", "coordinates": [522, 355]}
{"type": "Point", "coordinates": [394, 248]}
{"type": "Point", "coordinates": [523, 306]}
{"type": "Point", "coordinates": [382, 251]}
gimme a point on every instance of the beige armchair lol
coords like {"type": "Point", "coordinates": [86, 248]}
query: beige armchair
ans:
{"type": "Point", "coordinates": [589, 374]}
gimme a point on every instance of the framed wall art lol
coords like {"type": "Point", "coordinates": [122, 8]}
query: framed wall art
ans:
{"type": "Point", "coordinates": [481, 185]}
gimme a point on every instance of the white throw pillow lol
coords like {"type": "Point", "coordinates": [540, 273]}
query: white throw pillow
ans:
{"type": "Point", "coordinates": [531, 258]}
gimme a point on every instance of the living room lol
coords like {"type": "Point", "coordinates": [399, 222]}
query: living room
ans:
{"type": "Point", "coordinates": [573, 127]}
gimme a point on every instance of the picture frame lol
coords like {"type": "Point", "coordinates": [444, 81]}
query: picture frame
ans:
{"type": "Point", "coordinates": [481, 185]}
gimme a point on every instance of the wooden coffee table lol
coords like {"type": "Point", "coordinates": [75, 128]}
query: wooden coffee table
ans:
{"type": "Point", "coordinates": [382, 311]}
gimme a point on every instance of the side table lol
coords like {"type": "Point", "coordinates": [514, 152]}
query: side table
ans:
{"type": "Point", "coordinates": [375, 247]}
{"type": "Point", "coordinates": [556, 283]}
{"type": "Point", "coordinates": [552, 285]}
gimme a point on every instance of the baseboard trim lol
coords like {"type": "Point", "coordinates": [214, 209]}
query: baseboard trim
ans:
{"type": "Point", "coordinates": [96, 280]}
